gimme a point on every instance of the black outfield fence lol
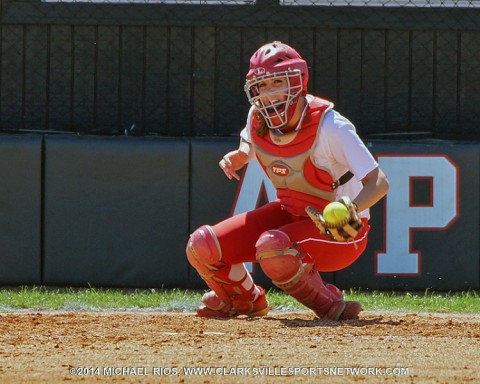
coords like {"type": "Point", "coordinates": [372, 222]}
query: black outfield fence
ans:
{"type": "Point", "coordinates": [405, 68]}
{"type": "Point", "coordinates": [80, 210]}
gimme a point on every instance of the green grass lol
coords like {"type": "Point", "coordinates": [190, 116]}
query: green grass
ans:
{"type": "Point", "coordinates": [93, 299]}
{"type": "Point", "coordinates": [427, 301]}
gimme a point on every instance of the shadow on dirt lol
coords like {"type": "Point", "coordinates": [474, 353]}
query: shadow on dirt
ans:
{"type": "Point", "coordinates": [315, 322]}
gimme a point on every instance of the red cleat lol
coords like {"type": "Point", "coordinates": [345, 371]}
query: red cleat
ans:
{"type": "Point", "coordinates": [341, 310]}
{"type": "Point", "coordinates": [351, 311]}
{"type": "Point", "coordinates": [215, 307]}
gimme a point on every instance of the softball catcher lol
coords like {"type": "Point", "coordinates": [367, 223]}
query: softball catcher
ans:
{"type": "Point", "coordinates": [313, 156]}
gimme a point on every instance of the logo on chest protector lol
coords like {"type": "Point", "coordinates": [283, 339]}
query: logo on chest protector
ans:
{"type": "Point", "coordinates": [280, 170]}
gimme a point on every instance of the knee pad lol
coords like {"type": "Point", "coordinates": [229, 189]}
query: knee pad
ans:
{"type": "Point", "coordinates": [232, 284]}
{"type": "Point", "coordinates": [203, 250]}
{"type": "Point", "coordinates": [279, 260]}
{"type": "Point", "coordinates": [283, 264]}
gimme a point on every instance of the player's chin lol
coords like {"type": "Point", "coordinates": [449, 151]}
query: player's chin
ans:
{"type": "Point", "coordinates": [276, 110]}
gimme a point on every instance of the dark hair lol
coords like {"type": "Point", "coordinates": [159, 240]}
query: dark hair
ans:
{"type": "Point", "coordinates": [262, 128]}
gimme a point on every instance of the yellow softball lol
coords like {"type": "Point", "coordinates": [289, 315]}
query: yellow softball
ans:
{"type": "Point", "coordinates": [335, 212]}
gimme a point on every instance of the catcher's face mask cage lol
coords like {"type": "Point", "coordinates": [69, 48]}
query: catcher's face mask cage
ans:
{"type": "Point", "coordinates": [276, 60]}
{"type": "Point", "coordinates": [278, 104]}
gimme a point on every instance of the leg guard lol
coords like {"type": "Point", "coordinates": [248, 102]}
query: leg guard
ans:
{"type": "Point", "coordinates": [283, 264]}
{"type": "Point", "coordinates": [233, 291]}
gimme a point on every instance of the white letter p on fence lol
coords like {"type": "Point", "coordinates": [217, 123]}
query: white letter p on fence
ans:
{"type": "Point", "coordinates": [402, 216]}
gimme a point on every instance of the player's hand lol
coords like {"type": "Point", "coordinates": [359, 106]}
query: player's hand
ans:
{"type": "Point", "coordinates": [232, 162]}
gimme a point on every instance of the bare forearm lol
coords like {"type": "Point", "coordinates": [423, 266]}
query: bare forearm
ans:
{"type": "Point", "coordinates": [375, 186]}
{"type": "Point", "coordinates": [235, 160]}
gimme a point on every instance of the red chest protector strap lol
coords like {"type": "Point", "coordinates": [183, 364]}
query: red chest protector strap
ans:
{"type": "Point", "coordinates": [304, 138]}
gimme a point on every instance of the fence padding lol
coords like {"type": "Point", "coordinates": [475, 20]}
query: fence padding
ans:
{"type": "Point", "coordinates": [20, 207]}
{"type": "Point", "coordinates": [116, 211]}
{"type": "Point", "coordinates": [413, 222]}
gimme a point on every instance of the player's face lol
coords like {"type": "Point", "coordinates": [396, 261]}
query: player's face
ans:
{"type": "Point", "coordinates": [273, 90]}
{"type": "Point", "coordinates": [275, 95]}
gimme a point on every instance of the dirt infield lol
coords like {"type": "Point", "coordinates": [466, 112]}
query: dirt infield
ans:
{"type": "Point", "coordinates": [154, 347]}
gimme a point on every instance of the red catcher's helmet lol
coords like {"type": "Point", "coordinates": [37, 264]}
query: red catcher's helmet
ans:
{"type": "Point", "coordinates": [277, 60]}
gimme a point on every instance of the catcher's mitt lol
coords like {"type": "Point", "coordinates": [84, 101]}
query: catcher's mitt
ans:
{"type": "Point", "coordinates": [345, 230]}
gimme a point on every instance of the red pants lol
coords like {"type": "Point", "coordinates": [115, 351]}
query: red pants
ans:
{"type": "Point", "coordinates": [237, 236]}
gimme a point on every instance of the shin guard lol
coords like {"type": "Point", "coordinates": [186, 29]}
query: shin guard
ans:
{"type": "Point", "coordinates": [283, 264]}
{"type": "Point", "coordinates": [233, 291]}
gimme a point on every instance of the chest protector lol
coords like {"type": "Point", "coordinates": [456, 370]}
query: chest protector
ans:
{"type": "Point", "coordinates": [286, 159]}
